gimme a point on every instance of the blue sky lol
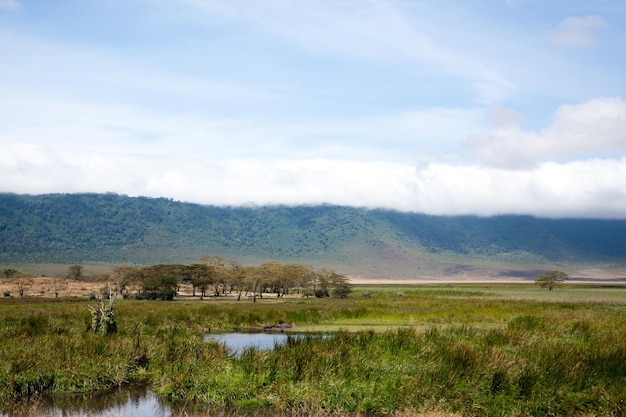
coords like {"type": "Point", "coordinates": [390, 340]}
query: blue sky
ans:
{"type": "Point", "coordinates": [444, 107]}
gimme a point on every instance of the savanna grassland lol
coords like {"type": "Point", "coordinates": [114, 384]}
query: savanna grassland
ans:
{"type": "Point", "coordinates": [460, 349]}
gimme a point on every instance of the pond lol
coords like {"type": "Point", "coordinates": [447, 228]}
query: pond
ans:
{"type": "Point", "coordinates": [125, 402]}
{"type": "Point", "coordinates": [143, 402]}
{"type": "Point", "coordinates": [238, 342]}
{"type": "Point", "coordinates": [130, 401]}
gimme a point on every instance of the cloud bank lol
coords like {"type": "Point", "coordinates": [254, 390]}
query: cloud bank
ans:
{"type": "Point", "coordinates": [597, 127]}
{"type": "Point", "coordinates": [589, 188]}
{"type": "Point", "coordinates": [593, 188]}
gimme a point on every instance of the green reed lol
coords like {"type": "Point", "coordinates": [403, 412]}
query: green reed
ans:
{"type": "Point", "coordinates": [489, 353]}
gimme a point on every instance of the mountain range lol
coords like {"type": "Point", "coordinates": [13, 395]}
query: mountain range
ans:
{"type": "Point", "coordinates": [118, 229]}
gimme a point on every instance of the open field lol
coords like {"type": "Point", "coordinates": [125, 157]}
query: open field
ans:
{"type": "Point", "coordinates": [43, 285]}
{"type": "Point", "coordinates": [468, 349]}
{"type": "Point", "coordinates": [454, 269]}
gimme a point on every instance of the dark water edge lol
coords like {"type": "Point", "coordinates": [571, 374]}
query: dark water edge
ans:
{"type": "Point", "coordinates": [141, 401]}
{"type": "Point", "coordinates": [135, 401]}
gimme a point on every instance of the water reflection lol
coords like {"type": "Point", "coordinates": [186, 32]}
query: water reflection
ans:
{"type": "Point", "coordinates": [238, 342]}
{"type": "Point", "coordinates": [126, 402]}
{"type": "Point", "coordinates": [143, 402]}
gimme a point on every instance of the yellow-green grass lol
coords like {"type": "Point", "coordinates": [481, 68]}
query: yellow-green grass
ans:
{"type": "Point", "coordinates": [466, 349]}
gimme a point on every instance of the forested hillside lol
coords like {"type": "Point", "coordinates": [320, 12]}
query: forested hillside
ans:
{"type": "Point", "coordinates": [74, 228]}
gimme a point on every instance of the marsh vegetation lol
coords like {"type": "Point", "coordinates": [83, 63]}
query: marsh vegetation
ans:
{"type": "Point", "coordinates": [465, 349]}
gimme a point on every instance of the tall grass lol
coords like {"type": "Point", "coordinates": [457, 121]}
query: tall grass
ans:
{"type": "Point", "coordinates": [488, 353]}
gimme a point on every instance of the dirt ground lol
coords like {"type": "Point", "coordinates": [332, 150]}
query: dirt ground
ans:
{"type": "Point", "coordinates": [44, 286]}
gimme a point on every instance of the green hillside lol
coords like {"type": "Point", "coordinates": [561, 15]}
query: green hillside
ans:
{"type": "Point", "coordinates": [75, 228]}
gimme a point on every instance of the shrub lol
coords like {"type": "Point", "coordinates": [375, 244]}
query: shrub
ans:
{"type": "Point", "coordinates": [321, 294]}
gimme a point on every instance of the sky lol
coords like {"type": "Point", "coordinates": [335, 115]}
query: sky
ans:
{"type": "Point", "coordinates": [444, 107]}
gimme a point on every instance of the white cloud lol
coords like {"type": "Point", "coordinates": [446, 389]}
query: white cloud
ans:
{"type": "Point", "coordinates": [590, 188]}
{"type": "Point", "coordinates": [500, 116]}
{"type": "Point", "coordinates": [597, 127]}
{"type": "Point", "coordinates": [10, 4]}
{"type": "Point", "coordinates": [577, 31]}
{"type": "Point", "coordinates": [555, 190]}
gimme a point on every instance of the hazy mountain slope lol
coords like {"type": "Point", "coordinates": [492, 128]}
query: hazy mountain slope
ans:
{"type": "Point", "coordinates": [552, 239]}
{"type": "Point", "coordinates": [71, 228]}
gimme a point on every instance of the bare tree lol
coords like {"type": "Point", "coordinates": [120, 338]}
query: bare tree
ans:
{"type": "Point", "coordinates": [58, 284]}
{"type": "Point", "coordinates": [22, 282]}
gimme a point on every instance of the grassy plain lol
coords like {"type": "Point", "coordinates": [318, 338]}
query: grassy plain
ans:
{"type": "Point", "coordinates": [474, 349]}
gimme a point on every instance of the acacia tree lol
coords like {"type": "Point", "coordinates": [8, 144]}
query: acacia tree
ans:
{"type": "Point", "coordinates": [253, 280]}
{"type": "Point", "coordinates": [122, 277]}
{"type": "Point", "coordinates": [161, 281]}
{"type": "Point", "coordinates": [223, 276]}
{"type": "Point", "coordinates": [201, 277]}
{"type": "Point", "coordinates": [323, 277]}
{"type": "Point", "coordinates": [9, 272]}
{"type": "Point", "coordinates": [220, 273]}
{"type": "Point", "coordinates": [551, 279]}
{"type": "Point", "coordinates": [273, 278]}
{"type": "Point", "coordinates": [238, 278]}
{"type": "Point", "coordinates": [75, 272]}
{"type": "Point", "coordinates": [308, 281]}
{"type": "Point", "coordinates": [297, 276]}
{"type": "Point", "coordinates": [341, 286]}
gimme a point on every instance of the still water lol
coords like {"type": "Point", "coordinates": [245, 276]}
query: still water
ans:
{"type": "Point", "coordinates": [141, 401]}
{"type": "Point", "coordinates": [126, 402]}
{"type": "Point", "coordinates": [131, 402]}
{"type": "Point", "coordinates": [238, 342]}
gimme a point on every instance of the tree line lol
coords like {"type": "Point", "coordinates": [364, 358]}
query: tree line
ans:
{"type": "Point", "coordinates": [211, 277]}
